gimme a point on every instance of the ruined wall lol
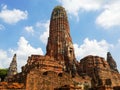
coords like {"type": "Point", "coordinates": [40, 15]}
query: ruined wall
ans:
{"type": "Point", "coordinates": [45, 80]}
{"type": "Point", "coordinates": [100, 71]}
{"type": "Point", "coordinates": [49, 80]}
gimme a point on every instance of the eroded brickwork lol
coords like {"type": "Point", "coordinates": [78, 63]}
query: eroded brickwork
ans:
{"type": "Point", "coordinates": [60, 44]}
{"type": "Point", "coordinates": [99, 70]}
{"type": "Point", "coordinates": [111, 62]}
{"type": "Point", "coordinates": [13, 66]}
{"type": "Point", "coordinates": [50, 80]}
{"type": "Point", "coordinates": [59, 70]}
{"type": "Point", "coordinates": [12, 70]}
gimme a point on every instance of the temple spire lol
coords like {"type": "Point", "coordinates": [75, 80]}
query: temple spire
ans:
{"type": "Point", "coordinates": [59, 41]}
{"type": "Point", "coordinates": [60, 44]}
{"type": "Point", "coordinates": [111, 62]}
{"type": "Point", "coordinates": [13, 67]}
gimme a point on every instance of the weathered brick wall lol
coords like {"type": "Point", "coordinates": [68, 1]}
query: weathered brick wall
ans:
{"type": "Point", "coordinates": [37, 80]}
{"type": "Point", "coordinates": [49, 80]}
{"type": "Point", "coordinates": [99, 70]}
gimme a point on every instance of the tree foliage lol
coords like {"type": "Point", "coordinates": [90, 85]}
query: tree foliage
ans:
{"type": "Point", "coordinates": [3, 73]}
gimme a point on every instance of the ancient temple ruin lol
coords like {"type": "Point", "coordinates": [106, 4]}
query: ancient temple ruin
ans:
{"type": "Point", "coordinates": [12, 70]}
{"type": "Point", "coordinates": [100, 71]}
{"type": "Point", "coordinates": [111, 62]}
{"type": "Point", "coordinates": [60, 44]}
{"type": "Point", "coordinates": [59, 69]}
{"type": "Point", "coordinates": [13, 66]}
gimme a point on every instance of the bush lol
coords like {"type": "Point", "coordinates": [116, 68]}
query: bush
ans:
{"type": "Point", "coordinates": [3, 73]}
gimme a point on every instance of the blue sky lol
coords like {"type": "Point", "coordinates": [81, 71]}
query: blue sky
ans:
{"type": "Point", "coordinates": [24, 28]}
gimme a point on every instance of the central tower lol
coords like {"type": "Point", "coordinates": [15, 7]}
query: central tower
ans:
{"type": "Point", "coordinates": [60, 44]}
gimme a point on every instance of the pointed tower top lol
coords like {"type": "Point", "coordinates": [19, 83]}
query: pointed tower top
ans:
{"type": "Point", "coordinates": [58, 7]}
{"type": "Point", "coordinates": [111, 62]}
{"type": "Point", "coordinates": [13, 66]}
{"type": "Point", "coordinates": [109, 54]}
{"type": "Point", "coordinates": [59, 12]}
{"type": "Point", "coordinates": [15, 55]}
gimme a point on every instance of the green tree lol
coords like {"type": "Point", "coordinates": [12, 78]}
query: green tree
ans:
{"type": "Point", "coordinates": [3, 73]}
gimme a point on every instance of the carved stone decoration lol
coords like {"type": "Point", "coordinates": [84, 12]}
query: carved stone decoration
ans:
{"type": "Point", "coordinates": [111, 62]}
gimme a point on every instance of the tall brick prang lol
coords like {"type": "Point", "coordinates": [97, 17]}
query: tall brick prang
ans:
{"type": "Point", "coordinates": [60, 44]}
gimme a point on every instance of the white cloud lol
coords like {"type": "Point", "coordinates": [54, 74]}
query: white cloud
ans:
{"type": "Point", "coordinates": [89, 47]}
{"type": "Point", "coordinates": [4, 59]}
{"type": "Point", "coordinates": [29, 29]}
{"type": "Point", "coordinates": [2, 27]}
{"type": "Point", "coordinates": [44, 27]}
{"type": "Point", "coordinates": [92, 47]}
{"type": "Point", "coordinates": [99, 48]}
{"type": "Point", "coordinates": [23, 50]}
{"type": "Point", "coordinates": [110, 10]}
{"type": "Point", "coordinates": [40, 29]}
{"type": "Point", "coordinates": [110, 16]}
{"type": "Point", "coordinates": [12, 16]}
{"type": "Point", "coordinates": [116, 53]}
{"type": "Point", "coordinates": [74, 6]}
